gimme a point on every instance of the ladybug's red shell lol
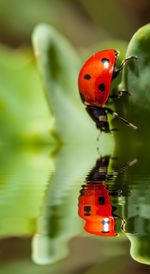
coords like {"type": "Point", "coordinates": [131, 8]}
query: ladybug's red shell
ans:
{"type": "Point", "coordinates": [95, 77]}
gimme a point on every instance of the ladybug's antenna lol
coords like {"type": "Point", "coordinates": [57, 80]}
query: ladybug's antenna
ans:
{"type": "Point", "coordinates": [115, 114]}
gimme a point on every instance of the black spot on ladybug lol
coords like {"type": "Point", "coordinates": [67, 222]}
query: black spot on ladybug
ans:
{"type": "Point", "coordinates": [101, 87]}
{"type": "Point", "coordinates": [101, 200]}
{"type": "Point", "coordinates": [87, 210]}
{"type": "Point", "coordinates": [105, 62]}
{"type": "Point", "coordinates": [87, 76]}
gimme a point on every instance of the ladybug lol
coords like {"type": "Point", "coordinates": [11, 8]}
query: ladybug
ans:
{"type": "Point", "coordinates": [94, 84]}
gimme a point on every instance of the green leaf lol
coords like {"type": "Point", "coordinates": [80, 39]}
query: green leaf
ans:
{"type": "Point", "coordinates": [136, 80]}
{"type": "Point", "coordinates": [136, 76]}
{"type": "Point", "coordinates": [59, 65]}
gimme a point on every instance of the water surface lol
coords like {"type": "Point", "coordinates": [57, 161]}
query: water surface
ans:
{"type": "Point", "coordinates": [74, 211]}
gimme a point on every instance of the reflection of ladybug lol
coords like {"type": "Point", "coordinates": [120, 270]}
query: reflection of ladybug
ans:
{"type": "Point", "coordinates": [95, 201]}
{"type": "Point", "coordinates": [95, 204]}
{"type": "Point", "coordinates": [95, 208]}
{"type": "Point", "coordinates": [94, 84]}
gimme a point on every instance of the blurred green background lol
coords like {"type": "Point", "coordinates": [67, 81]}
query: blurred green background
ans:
{"type": "Point", "coordinates": [84, 22]}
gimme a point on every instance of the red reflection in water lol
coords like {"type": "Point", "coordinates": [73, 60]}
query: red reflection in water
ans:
{"type": "Point", "coordinates": [95, 208]}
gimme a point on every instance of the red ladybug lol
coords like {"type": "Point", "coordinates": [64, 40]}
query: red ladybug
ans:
{"type": "Point", "coordinates": [94, 84]}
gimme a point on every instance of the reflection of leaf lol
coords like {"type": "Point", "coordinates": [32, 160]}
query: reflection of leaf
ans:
{"type": "Point", "coordinates": [60, 222]}
{"type": "Point", "coordinates": [23, 179]}
{"type": "Point", "coordinates": [137, 208]}
{"type": "Point", "coordinates": [24, 116]}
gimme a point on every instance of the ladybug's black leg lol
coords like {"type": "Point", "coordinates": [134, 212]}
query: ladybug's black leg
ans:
{"type": "Point", "coordinates": [99, 116]}
{"type": "Point", "coordinates": [117, 70]}
{"type": "Point", "coordinates": [119, 94]}
{"type": "Point", "coordinates": [115, 114]}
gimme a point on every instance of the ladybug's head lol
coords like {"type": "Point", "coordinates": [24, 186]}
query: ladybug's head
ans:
{"type": "Point", "coordinates": [103, 126]}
